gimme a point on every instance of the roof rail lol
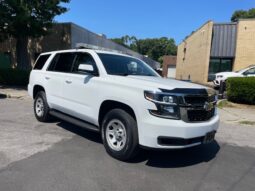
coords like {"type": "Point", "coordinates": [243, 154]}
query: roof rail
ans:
{"type": "Point", "coordinates": [94, 47]}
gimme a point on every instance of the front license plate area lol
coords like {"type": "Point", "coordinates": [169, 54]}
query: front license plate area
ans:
{"type": "Point", "coordinates": [209, 137]}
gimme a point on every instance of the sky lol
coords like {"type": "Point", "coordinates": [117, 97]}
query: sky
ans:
{"type": "Point", "coordinates": [149, 18]}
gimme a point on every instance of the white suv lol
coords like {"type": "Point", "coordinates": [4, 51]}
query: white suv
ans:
{"type": "Point", "coordinates": [223, 76]}
{"type": "Point", "coordinates": [124, 99]}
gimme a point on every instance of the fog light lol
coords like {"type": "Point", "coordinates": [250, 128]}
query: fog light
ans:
{"type": "Point", "coordinates": [168, 109]}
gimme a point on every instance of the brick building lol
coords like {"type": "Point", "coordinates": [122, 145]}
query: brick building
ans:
{"type": "Point", "coordinates": [65, 36]}
{"type": "Point", "coordinates": [216, 47]}
{"type": "Point", "coordinates": [169, 66]}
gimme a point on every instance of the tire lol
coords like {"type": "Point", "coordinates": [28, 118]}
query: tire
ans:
{"type": "Point", "coordinates": [41, 107]}
{"type": "Point", "coordinates": [119, 126]}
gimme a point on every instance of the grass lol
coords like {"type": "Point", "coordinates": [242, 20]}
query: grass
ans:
{"type": "Point", "coordinates": [224, 103]}
{"type": "Point", "coordinates": [247, 122]}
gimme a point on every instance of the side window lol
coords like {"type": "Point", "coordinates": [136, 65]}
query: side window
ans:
{"type": "Point", "coordinates": [62, 62]}
{"type": "Point", "coordinates": [41, 61]}
{"type": "Point", "coordinates": [84, 58]}
{"type": "Point", "coordinates": [250, 71]}
{"type": "Point", "coordinates": [53, 63]}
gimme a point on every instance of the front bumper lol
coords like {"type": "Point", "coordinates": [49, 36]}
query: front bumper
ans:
{"type": "Point", "coordinates": [152, 129]}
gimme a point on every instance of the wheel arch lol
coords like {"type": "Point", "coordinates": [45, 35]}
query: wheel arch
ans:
{"type": "Point", "coordinates": [108, 105]}
{"type": "Point", "coordinates": [37, 88]}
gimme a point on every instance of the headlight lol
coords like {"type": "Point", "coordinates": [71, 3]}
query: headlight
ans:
{"type": "Point", "coordinates": [167, 105]}
{"type": "Point", "coordinates": [219, 76]}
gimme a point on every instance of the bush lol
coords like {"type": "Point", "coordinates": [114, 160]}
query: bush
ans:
{"type": "Point", "coordinates": [241, 90]}
{"type": "Point", "coordinates": [14, 77]}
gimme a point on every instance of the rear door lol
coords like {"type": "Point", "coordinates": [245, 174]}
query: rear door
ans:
{"type": "Point", "coordinates": [55, 76]}
{"type": "Point", "coordinates": [37, 75]}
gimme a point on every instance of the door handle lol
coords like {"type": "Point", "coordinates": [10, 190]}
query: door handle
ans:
{"type": "Point", "coordinates": [47, 78]}
{"type": "Point", "coordinates": [68, 81]}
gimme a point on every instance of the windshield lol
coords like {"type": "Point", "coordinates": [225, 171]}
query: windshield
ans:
{"type": "Point", "coordinates": [240, 71]}
{"type": "Point", "coordinates": [124, 65]}
{"type": "Point", "coordinates": [243, 70]}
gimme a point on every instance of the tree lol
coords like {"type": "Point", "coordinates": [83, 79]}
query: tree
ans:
{"type": "Point", "coordinates": [119, 41]}
{"type": "Point", "coordinates": [241, 14]}
{"type": "Point", "coordinates": [126, 41]}
{"type": "Point", "coordinates": [152, 47]}
{"type": "Point", "coordinates": [22, 19]}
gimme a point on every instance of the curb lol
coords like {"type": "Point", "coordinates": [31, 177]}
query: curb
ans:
{"type": "Point", "coordinates": [4, 96]}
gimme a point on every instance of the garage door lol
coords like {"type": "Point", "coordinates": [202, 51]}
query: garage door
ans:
{"type": "Point", "coordinates": [171, 72]}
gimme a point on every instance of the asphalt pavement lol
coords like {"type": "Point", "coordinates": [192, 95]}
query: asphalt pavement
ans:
{"type": "Point", "coordinates": [59, 156]}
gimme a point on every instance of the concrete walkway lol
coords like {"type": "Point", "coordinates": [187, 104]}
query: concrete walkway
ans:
{"type": "Point", "coordinates": [237, 115]}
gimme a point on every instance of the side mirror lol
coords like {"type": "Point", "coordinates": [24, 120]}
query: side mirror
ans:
{"type": "Point", "coordinates": [87, 68]}
{"type": "Point", "coordinates": [245, 73]}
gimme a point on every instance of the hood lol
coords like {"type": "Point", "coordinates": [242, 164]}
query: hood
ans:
{"type": "Point", "coordinates": [228, 74]}
{"type": "Point", "coordinates": [155, 82]}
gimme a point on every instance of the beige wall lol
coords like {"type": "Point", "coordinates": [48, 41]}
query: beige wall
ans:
{"type": "Point", "coordinates": [195, 62]}
{"type": "Point", "coordinates": [245, 47]}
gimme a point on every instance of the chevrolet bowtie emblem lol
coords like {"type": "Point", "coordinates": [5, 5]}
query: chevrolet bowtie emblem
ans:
{"type": "Point", "coordinates": [208, 106]}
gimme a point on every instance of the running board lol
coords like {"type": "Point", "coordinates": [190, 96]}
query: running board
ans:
{"type": "Point", "coordinates": [74, 121]}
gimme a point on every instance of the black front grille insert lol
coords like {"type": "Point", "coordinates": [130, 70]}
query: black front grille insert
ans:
{"type": "Point", "coordinates": [199, 100]}
{"type": "Point", "coordinates": [195, 100]}
{"type": "Point", "coordinates": [200, 115]}
{"type": "Point", "coordinates": [175, 141]}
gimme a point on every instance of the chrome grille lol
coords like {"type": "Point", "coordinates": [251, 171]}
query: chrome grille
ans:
{"type": "Point", "coordinates": [198, 108]}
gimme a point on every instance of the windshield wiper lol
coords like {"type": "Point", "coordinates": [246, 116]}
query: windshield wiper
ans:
{"type": "Point", "coordinates": [120, 74]}
{"type": "Point", "coordinates": [126, 74]}
{"type": "Point", "coordinates": [142, 74]}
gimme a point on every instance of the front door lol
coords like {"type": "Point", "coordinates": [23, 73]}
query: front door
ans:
{"type": "Point", "coordinates": [80, 90]}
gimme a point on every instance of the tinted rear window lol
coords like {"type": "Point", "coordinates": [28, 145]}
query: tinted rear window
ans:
{"type": "Point", "coordinates": [62, 62]}
{"type": "Point", "coordinates": [41, 61]}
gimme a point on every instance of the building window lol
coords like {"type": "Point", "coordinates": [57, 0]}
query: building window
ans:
{"type": "Point", "coordinates": [184, 52]}
{"type": "Point", "coordinates": [226, 65]}
{"type": "Point", "coordinates": [219, 65]}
